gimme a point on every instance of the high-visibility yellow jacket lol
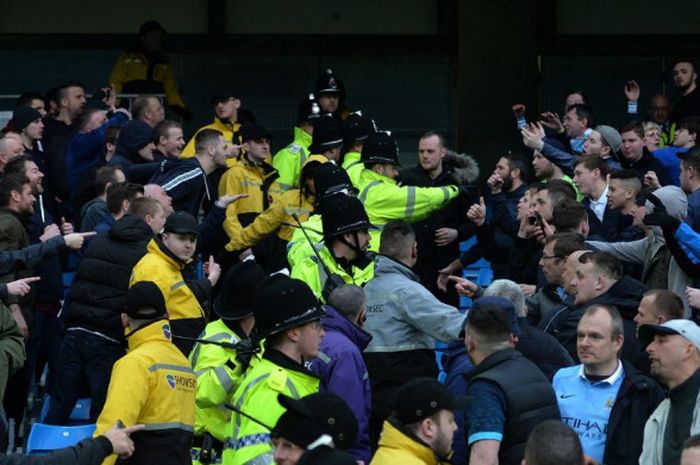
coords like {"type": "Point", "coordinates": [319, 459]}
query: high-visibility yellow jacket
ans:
{"type": "Point", "coordinates": [133, 66]}
{"type": "Point", "coordinates": [218, 376]}
{"type": "Point", "coordinates": [289, 161]}
{"type": "Point", "coordinates": [256, 180]}
{"type": "Point", "coordinates": [276, 218]}
{"type": "Point", "coordinates": [152, 384]}
{"type": "Point", "coordinates": [396, 447]}
{"type": "Point", "coordinates": [257, 396]}
{"type": "Point", "coordinates": [164, 270]}
{"type": "Point", "coordinates": [385, 201]}
{"type": "Point", "coordinates": [230, 131]}
{"type": "Point", "coordinates": [298, 247]}
{"type": "Point", "coordinates": [353, 166]}
{"type": "Point", "coordinates": [312, 273]}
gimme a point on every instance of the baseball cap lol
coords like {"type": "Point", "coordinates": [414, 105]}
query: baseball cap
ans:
{"type": "Point", "coordinates": [145, 301]}
{"type": "Point", "coordinates": [181, 223]}
{"type": "Point", "coordinates": [682, 327]}
{"type": "Point", "coordinates": [422, 397]}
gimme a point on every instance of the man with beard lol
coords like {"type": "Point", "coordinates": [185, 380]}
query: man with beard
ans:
{"type": "Point", "coordinates": [421, 427]}
{"type": "Point", "coordinates": [226, 106]}
{"type": "Point", "coordinates": [685, 78]}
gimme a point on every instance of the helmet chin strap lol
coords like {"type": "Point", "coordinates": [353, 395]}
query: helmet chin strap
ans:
{"type": "Point", "coordinates": [361, 260]}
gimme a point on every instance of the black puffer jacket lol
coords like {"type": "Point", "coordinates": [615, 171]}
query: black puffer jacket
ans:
{"type": "Point", "coordinates": [98, 294]}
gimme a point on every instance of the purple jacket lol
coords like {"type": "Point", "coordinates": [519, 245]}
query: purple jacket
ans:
{"type": "Point", "coordinates": [343, 372]}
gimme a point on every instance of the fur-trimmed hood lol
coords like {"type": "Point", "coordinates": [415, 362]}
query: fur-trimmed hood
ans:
{"type": "Point", "coordinates": [466, 168]}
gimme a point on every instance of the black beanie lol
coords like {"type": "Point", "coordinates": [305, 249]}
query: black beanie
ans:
{"type": "Point", "coordinates": [134, 136]}
{"type": "Point", "coordinates": [23, 116]}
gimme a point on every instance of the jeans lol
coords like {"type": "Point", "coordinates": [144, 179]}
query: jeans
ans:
{"type": "Point", "coordinates": [85, 360]}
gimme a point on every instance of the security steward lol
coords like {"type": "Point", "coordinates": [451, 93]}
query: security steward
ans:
{"type": "Point", "coordinates": [287, 315]}
{"type": "Point", "coordinates": [343, 256]}
{"type": "Point", "coordinates": [165, 263]}
{"type": "Point", "coordinates": [289, 161]}
{"type": "Point", "coordinates": [226, 105]}
{"type": "Point", "coordinates": [252, 175]}
{"type": "Point", "coordinates": [329, 180]}
{"type": "Point", "coordinates": [278, 218]}
{"type": "Point", "coordinates": [152, 384]}
{"type": "Point", "coordinates": [219, 370]}
{"type": "Point", "coordinates": [383, 198]}
{"type": "Point", "coordinates": [327, 138]}
{"type": "Point", "coordinates": [356, 130]}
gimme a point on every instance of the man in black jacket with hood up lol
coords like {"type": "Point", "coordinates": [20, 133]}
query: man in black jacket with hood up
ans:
{"type": "Point", "coordinates": [94, 337]}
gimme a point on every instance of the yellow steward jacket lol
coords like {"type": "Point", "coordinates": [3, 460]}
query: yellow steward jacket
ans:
{"type": "Point", "coordinates": [386, 201]}
{"type": "Point", "coordinates": [395, 447]}
{"type": "Point", "coordinates": [289, 161]}
{"type": "Point", "coordinates": [166, 272]}
{"type": "Point", "coordinates": [259, 181]}
{"type": "Point", "coordinates": [231, 135]}
{"type": "Point", "coordinates": [257, 395]}
{"type": "Point", "coordinates": [133, 66]}
{"type": "Point", "coordinates": [276, 218]}
{"type": "Point", "coordinates": [152, 384]}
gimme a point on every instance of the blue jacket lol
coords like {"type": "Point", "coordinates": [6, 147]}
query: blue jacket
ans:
{"type": "Point", "coordinates": [50, 288]}
{"type": "Point", "coordinates": [668, 156]}
{"type": "Point", "coordinates": [566, 161]}
{"type": "Point", "coordinates": [186, 182]}
{"type": "Point", "coordinates": [85, 150]}
{"type": "Point", "coordinates": [456, 364]}
{"type": "Point", "coordinates": [343, 372]}
{"type": "Point", "coordinates": [693, 218]}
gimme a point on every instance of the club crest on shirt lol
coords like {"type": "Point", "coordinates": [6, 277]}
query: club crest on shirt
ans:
{"type": "Point", "coordinates": [171, 380]}
{"type": "Point", "coordinates": [166, 331]}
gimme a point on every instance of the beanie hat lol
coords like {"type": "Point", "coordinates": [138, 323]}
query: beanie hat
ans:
{"type": "Point", "coordinates": [23, 117]}
{"type": "Point", "coordinates": [145, 301]}
{"type": "Point", "coordinates": [611, 137]}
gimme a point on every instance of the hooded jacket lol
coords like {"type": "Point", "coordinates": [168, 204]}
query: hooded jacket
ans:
{"type": "Point", "coordinates": [625, 295]}
{"type": "Point", "coordinates": [343, 372]}
{"type": "Point", "coordinates": [98, 294]}
{"type": "Point", "coordinates": [456, 168]}
{"type": "Point", "coordinates": [134, 136]}
{"type": "Point", "coordinates": [660, 269]}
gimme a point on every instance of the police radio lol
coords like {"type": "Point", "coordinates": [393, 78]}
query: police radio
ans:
{"type": "Point", "coordinates": [333, 280]}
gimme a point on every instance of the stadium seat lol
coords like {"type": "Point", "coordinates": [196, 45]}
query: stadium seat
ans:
{"type": "Point", "coordinates": [46, 438]}
{"type": "Point", "coordinates": [79, 415]}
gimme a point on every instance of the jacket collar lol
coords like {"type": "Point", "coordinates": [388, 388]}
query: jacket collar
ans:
{"type": "Point", "coordinates": [492, 360]}
{"type": "Point", "coordinates": [396, 436]}
{"type": "Point", "coordinates": [337, 322]}
{"type": "Point", "coordinates": [302, 137]}
{"type": "Point", "coordinates": [155, 246]}
{"type": "Point", "coordinates": [386, 265]}
{"type": "Point", "coordinates": [280, 359]}
{"type": "Point", "coordinates": [158, 330]}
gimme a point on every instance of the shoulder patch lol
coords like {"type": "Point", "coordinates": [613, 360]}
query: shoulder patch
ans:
{"type": "Point", "coordinates": [296, 148]}
{"type": "Point", "coordinates": [277, 380]}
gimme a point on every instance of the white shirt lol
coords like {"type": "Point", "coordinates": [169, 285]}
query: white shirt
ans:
{"type": "Point", "coordinates": [598, 206]}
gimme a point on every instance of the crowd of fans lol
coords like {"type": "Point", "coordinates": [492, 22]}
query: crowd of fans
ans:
{"type": "Point", "coordinates": [246, 307]}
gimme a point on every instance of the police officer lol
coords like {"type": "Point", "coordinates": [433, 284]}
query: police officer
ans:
{"type": "Point", "coordinates": [287, 315]}
{"type": "Point", "coordinates": [220, 369]}
{"type": "Point", "coordinates": [152, 384]}
{"type": "Point", "coordinates": [330, 92]}
{"type": "Point", "coordinates": [327, 138]}
{"type": "Point", "coordinates": [356, 130]}
{"type": "Point", "coordinates": [383, 198]}
{"type": "Point", "coordinates": [346, 240]}
{"type": "Point", "coordinates": [289, 161]}
{"type": "Point", "coordinates": [329, 180]}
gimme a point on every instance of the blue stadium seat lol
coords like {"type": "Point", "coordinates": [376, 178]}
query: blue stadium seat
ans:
{"type": "Point", "coordinates": [79, 415]}
{"type": "Point", "coordinates": [46, 438]}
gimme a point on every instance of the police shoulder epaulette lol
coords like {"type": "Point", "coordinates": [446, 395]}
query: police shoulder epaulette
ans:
{"type": "Point", "coordinates": [277, 379]}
